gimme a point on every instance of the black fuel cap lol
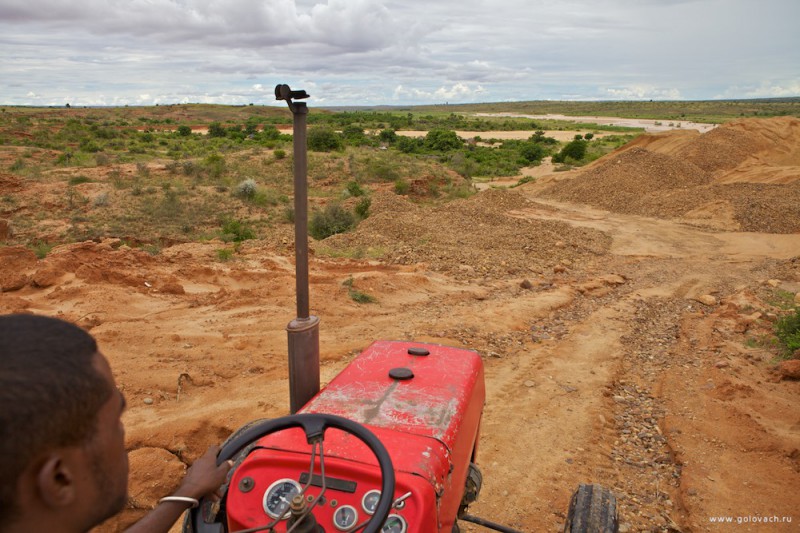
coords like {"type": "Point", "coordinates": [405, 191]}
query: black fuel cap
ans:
{"type": "Point", "coordinates": [401, 373]}
{"type": "Point", "coordinates": [418, 351]}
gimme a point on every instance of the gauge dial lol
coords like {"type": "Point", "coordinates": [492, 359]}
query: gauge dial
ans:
{"type": "Point", "coordinates": [345, 518]}
{"type": "Point", "coordinates": [394, 524]}
{"type": "Point", "coordinates": [370, 501]}
{"type": "Point", "coordinates": [278, 497]}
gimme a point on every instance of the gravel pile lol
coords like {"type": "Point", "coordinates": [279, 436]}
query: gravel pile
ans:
{"type": "Point", "coordinates": [642, 182]}
{"type": "Point", "coordinates": [633, 181]}
{"type": "Point", "coordinates": [470, 238]}
{"type": "Point", "coordinates": [723, 148]}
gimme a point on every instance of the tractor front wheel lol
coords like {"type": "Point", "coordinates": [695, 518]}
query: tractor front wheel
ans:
{"type": "Point", "coordinates": [593, 509]}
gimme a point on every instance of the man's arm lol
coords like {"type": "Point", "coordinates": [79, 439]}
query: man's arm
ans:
{"type": "Point", "coordinates": [203, 478]}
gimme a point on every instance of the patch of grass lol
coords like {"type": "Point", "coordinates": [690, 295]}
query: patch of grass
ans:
{"type": "Point", "coordinates": [41, 249]}
{"type": "Point", "coordinates": [356, 295]}
{"type": "Point", "coordinates": [781, 298]}
{"type": "Point", "coordinates": [523, 181]}
{"type": "Point", "coordinates": [787, 329]}
{"type": "Point", "coordinates": [224, 254]}
{"type": "Point", "coordinates": [359, 252]}
{"type": "Point", "coordinates": [77, 180]}
{"type": "Point", "coordinates": [401, 186]}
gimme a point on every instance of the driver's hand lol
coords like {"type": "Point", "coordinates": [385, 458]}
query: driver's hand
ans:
{"type": "Point", "coordinates": [204, 478]}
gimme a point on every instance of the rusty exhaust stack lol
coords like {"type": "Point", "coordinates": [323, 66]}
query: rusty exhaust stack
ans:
{"type": "Point", "coordinates": [303, 331]}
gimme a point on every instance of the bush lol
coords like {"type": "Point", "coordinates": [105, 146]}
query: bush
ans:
{"type": "Point", "coordinates": [279, 154]}
{"type": "Point", "coordinates": [387, 136]}
{"type": "Point", "coordinates": [354, 189]}
{"type": "Point", "coordinates": [787, 329]}
{"type": "Point", "coordinates": [236, 231]}
{"type": "Point", "coordinates": [362, 207]}
{"type": "Point", "coordinates": [575, 150]}
{"type": "Point", "coordinates": [224, 254]}
{"type": "Point", "coordinates": [215, 129]}
{"type": "Point", "coordinates": [184, 131]}
{"type": "Point", "coordinates": [401, 186]}
{"type": "Point", "coordinates": [334, 219]}
{"type": "Point", "coordinates": [322, 139]}
{"type": "Point", "coordinates": [442, 140]}
{"type": "Point", "coordinates": [246, 189]}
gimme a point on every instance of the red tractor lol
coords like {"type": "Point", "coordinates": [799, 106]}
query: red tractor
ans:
{"type": "Point", "coordinates": [389, 445]}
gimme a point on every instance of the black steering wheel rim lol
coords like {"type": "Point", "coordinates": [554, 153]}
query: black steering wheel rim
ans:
{"type": "Point", "coordinates": [314, 425]}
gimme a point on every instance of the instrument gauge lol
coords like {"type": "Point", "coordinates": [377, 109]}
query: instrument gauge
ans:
{"type": "Point", "coordinates": [394, 524]}
{"type": "Point", "coordinates": [345, 518]}
{"type": "Point", "coordinates": [278, 497]}
{"type": "Point", "coordinates": [370, 501]}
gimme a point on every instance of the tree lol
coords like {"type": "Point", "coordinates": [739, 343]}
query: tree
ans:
{"type": "Point", "coordinates": [388, 136]}
{"type": "Point", "coordinates": [443, 140]}
{"type": "Point", "coordinates": [532, 151]}
{"type": "Point", "coordinates": [575, 150]}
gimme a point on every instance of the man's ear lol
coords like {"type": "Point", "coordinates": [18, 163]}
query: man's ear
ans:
{"type": "Point", "coordinates": [55, 481]}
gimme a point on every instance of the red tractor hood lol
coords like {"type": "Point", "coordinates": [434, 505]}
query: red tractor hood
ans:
{"type": "Point", "coordinates": [423, 401]}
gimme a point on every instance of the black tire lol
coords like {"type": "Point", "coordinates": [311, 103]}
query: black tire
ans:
{"type": "Point", "coordinates": [593, 509]}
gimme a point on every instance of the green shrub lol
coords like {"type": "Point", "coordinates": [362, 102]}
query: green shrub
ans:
{"type": "Point", "coordinates": [362, 207]}
{"type": "Point", "coordinates": [787, 329]}
{"type": "Point", "coordinates": [354, 189]}
{"type": "Point", "coordinates": [41, 249]}
{"type": "Point", "coordinates": [401, 186]}
{"type": "Point", "coordinates": [215, 129]}
{"type": "Point", "coordinates": [236, 231]}
{"type": "Point", "coordinates": [332, 220]}
{"type": "Point", "coordinates": [224, 254]}
{"type": "Point", "coordinates": [574, 150]}
{"type": "Point", "coordinates": [279, 154]}
{"type": "Point", "coordinates": [388, 136]}
{"type": "Point", "coordinates": [184, 131]}
{"type": "Point", "coordinates": [442, 140]}
{"type": "Point", "coordinates": [323, 139]}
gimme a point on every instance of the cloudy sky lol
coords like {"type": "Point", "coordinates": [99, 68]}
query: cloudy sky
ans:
{"type": "Point", "coordinates": [371, 52]}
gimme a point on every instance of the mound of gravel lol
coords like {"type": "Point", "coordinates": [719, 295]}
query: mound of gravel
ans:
{"type": "Point", "coordinates": [633, 181]}
{"type": "Point", "coordinates": [642, 182]}
{"type": "Point", "coordinates": [723, 148]}
{"type": "Point", "coordinates": [472, 237]}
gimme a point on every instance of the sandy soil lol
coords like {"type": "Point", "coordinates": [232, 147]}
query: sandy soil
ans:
{"type": "Point", "coordinates": [615, 346]}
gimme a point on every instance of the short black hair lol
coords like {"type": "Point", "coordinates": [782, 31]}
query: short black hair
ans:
{"type": "Point", "coordinates": [50, 394]}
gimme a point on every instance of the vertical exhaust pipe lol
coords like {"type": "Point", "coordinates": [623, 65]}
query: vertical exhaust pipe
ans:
{"type": "Point", "coordinates": [303, 331]}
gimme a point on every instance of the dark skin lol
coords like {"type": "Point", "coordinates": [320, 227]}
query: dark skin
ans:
{"type": "Point", "coordinates": [75, 488]}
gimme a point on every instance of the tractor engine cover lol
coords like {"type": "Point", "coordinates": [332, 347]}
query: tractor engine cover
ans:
{"type": "Point", "coordinates": [423, 401]}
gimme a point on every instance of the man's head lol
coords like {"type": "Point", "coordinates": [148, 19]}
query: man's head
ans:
{"type": "Point", "coordinates": [61, 439]}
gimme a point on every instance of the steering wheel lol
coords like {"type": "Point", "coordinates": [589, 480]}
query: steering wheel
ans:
{"type": "Point", "coordinates": [314, 425]}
